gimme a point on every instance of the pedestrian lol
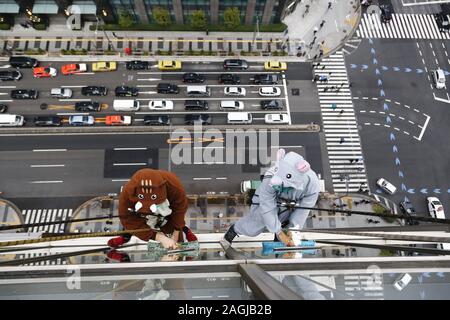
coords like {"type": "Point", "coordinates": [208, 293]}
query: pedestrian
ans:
{"type": "Point", "coordinates": [351, 160]}
{"type": "Point", "coordinates": [316, 77]}
{"type": "Point", "coordinates": [341, 141]}
{"type": "Point", "coordinates": [333, 106]}
{"type": "Point", "coordinates": [323, 67]}
{"type": "Point", "coordinates": [329, 73]}
{"type": "Point", "coordinates": [315, 30]}
{"type": "Point", "coordinates": [315, 57]}
{"type": "Point", "coordinates": [341, 112]}
{"type": "Point", "coordinates": [342, 84]}
{"type": "Point", "coordinates": [114, 34]}
{"type": "Point", "coordinates": [329, 5]}
{"type": "Point", "coordinates": [325, 89]}
{"type": "Point", "coordinates": [322, 23]}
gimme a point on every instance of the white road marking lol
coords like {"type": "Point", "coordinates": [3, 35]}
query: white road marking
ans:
{"type": "Point", "coordinates": [8, 87]}
{"type": "Point", "coordinates": [48, 181]}
{"type": "Point", "coordinates": [221, 178]}
{"type": "Point", "coordinates": [126, 149]}
{"type": "Point", "coordinates": [120, 180]}
{"type": "Point", "coordinates": [130, 164]}
{"type": "Point", "coordinates": [73, 100]}
{"type": "Point", "coordinates": [201, 178]}
{"type": "Point", "coordinates": [6, 100]}
{"type": "Point", "coordinates": [423, 129]}
{"type": "Point", "coordinates": [47, 165]}
{"type": "Point", "coordinates": [72, 86]}
{"type": "Point", "coordinates": [49, 150]}
{"type": "Point", "coordinates": [287, 99]}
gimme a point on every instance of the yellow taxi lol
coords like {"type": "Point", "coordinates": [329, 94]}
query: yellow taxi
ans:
{"type": "Point", "coordinates": [275, 66]}
{"type": "Point", "coordinates": [104, 66]}
{"type": "Point", "coordinates": [169, 65]}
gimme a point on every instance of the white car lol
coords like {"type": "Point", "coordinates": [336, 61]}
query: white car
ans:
{"type": "Point", "coordinates": [439, 79]}
{"type": "Point", "coordinates": [386, 186]}
{"type": "Point", "coordinates": [234, 91]}
{"type": "Point", "coordinates": [160, 105]}
{"type": "Point", "coordinates": [277, 118]}
{"type": "Point", "coordinates": [402, 281]}
{"type": "Point", "coordinates": [269, 91]}
{"type": "Point", "coordinates": [435, 208]}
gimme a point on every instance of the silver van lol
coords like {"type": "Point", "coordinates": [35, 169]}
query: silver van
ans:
{"type": "Point", "coordinates": [198, 91]}
{"type": "Point", "coordinates": [231, 105]}
{"type": "Point", "coordinates": [61, 93]}
{"type": "Point", "coordinates": [11, 120]}
{"type": "Point", "coordinates": [239, 118]}
{"type": "Point", "coordinates": [126, 105]}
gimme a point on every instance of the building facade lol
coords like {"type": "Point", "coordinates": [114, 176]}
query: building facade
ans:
{"type": "Point", "coordinates": [265, 11]}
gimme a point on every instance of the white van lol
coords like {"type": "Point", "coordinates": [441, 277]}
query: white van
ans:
{"type": "Point", "coordinates": [231, 105]}
{"type": "Point", "coordinates": [198, 91]}
{"type": "Point", "coordinates": [239, 118]}
{"type": "Point", "coordinates": [11, 120]}
{"type": "Point", "coordinates": [126, 105]}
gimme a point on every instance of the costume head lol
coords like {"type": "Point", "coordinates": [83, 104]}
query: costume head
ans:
{"type": "Point", "coordinates": [148, 191]}
{"type": "Point", "coordinates": [290, 171]}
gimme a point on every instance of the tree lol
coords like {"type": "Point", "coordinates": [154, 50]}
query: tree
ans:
{"type": "Point", "coordinates": [126, 20]}
{"type": "Point", "coordinates": [232, 18]}
{"type": "Point", "coordinates": [198, 19]}
{"type": "Point", "coordinates": [161, 16]}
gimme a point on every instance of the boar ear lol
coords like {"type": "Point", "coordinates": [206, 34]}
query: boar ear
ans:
{"type": "Point", "coordinates": [303, 166]}
{"type": "Point", "coordinates": [280, 154]}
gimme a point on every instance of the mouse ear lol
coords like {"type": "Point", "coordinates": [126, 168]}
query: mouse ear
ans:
{"type": "Point", "coordinates": [280, 154]}
{"type": "Point", "coordinates": [303, 166]}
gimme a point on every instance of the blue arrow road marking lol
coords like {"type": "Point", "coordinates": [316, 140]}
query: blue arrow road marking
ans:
{"type": "Point", "coordinates": [379, 191]}
{"type": "Point", "coordinates": [412, 191]}
{"type": "Point", "coordinates": [372, 51]}
{"type": "Point", "coordinates": [400, 174]}
{"type": "Point", "coordinates": [448, 191]}
{"type": "Point", "coordinates": [392, 137]}
{"type": "Point", "coordinates": [364, 66]}
{"type": "Point", "coordinates": [384, 68]}
{"type": "Point", "coordinates": [382, 93]}
{"type": "Point", "coordinates": [380, 83]}
{"type": "Point", "coordinates": [406, 199]}
{"type": "Point", "coordinates": [426, 274]}
{"type": "Point", "coordinates": [446, 73]}
{"type": "Point", "coordinates": [394, 149]}
{"type": "Point", "coordinates": [440, 274]}
{"type": "Point", "coordinates": [438, 191]}
{"type": "Point", "coordinates": [385, 107]}
{"type": "Point", "coordinates": [353, 66]}
{"type": "Point", "coordinates": [370, 41]}
{"type": "Point", "coordinates": [403, 187]}
{"type": "Point", "coordinates": [424, 191]}
{"type": "Point", "coordinates": [397, 161]}
{"type": "Point", "coordinates": [388, 119]}
{"type": "Point", "coordinates": [408, 70]}
{"type": "Point", "coordinates": [396, 68]}
{"type": "Point", "coordinates": [422, 294]}
{"type": "Point", "coordinates": [420, 278]}
{"type": "Point", "coordinates": [375, 61]}
{"type": "Point", "coordinates": [377, 72]}
{"type": "Point", "coordinates": [419, 70]}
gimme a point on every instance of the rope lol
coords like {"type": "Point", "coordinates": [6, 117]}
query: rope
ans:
{"type": "Point", "coordinates": [58, 238]}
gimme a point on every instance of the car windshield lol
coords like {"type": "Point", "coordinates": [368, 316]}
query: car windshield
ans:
{"type": "Point", "coordinates": [436, 203]}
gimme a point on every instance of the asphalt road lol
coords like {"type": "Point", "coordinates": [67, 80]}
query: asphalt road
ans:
{"type": "Point", "coordinates": [403, 118]}
{"type": "Point", "coordinates": [147, 81]}
{"type": "Point", "coordinates": [49, 170]}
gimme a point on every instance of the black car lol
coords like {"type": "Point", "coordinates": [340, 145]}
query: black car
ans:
{"type": "Point", "coordinates": [23, 62]}
{"type": "Point", "coordinates": [196, 105]}
{"type": "Point", "coordinates": [192, 77]}
{"type": "Point", "coordinates": [167, 88]}
{"type": "Point", "coordinates": [3, 108]}
{"type": "Point", "coordinates": [86, 106]}
{"type": "Point", "coordinates": [191, 119]}
{"type": "Point", "coordinates": [9, 75]}
{"type": "Point", "coordinates": [228, 78]}
{"type": "Point", "coordinates": [271, 105]}
{"type": "Point", "coordinates": [386, 14]}
{"type": "Point", "coordinates": [235, 64]}
{"type": "Point", "coordinates": [157, 120]}
{"type": "Point", "coordinates": [94, 91]}
{"type": "Point", "coordinates": [137, 65]}
{"type": "Point", "coordinates": [442, 22]}
{"type": "Point", "coordinates": [24, 94]}
{"type": "Point", "coordinates": [266, 78]}
{"type": "Point", "coordinates": [51, 121]}
{"type": "Point", "coordinates": [407, 208]}
{"type": "Point", "coordinates": [125, 91]}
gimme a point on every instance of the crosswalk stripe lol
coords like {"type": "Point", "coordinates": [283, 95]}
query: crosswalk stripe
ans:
{"type": "Point", "coordinates": [47, 215]}
{"type": "Point", "coordinates": [401, 26]}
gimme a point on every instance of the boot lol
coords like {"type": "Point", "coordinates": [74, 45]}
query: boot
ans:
{"type": "Point", "coordinates": [118, 241]}
{"type": "Point", "coordinates": [190, 236]}
{"type": "Point", "coordinates": [118, 256]}
{"type": "Point", "coordinates": [230, 234]}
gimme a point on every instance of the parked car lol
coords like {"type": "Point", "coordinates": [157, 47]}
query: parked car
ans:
{"type": "Point", "coordinates": [271, 105]}
{"type": "Point", "coordinates": [402, 281]}
{"type": "Point", "coordinates": [407, 208]}
{"type": "Point", "coordinates": [386, 186]}
{"type": "Point", "coordinates": [166, 88]}
{"type": "Point", "coordinates": [87, 106]}
{"type": "Point", "coordinates": [61, 93]}
{"type": "Point", "coordinates": [73, 68]}
{"type": "Point", "coordinates": [269, 91]}
{"type": "Point", "coordinates": [438, 78]}
{"type": "Point", "coordinates": [275, 66]}
{"type": "Point", "coordinates": [118, 120]}
{"type": "Point", "coordinates": [137, 65]}
{"type": "Point", "coordinates": [435, 208]}
{"type": "Point", "coordinates": [442, 22]}
{"type": "Point", "coordinates": [47, 121]}
{"type": "Point", "coordinates": [276, 118]}
{"type": "Point", "coordinates": [81, 120]}
{"type": "Point", "coordinates": [94, 91]}
{"type": "Point", "coordinates": [235, 64]}
{"type": "Point", "coordinates": [228, 78]}
{"type": "Point", "coordinates": [161, 120]}
{"type": "Point", "coordinates": [44, 72]}
{"type": "Point", "coordinates": [234, 91]}
{"type": "Point", "coordinates": [196, 105]}
{"type": "Point", "coordinates": [23, 62]}
{"type": "Point", "coordinates": [24, 94]}
{"type": "Point", "coordinates": [192, 77]}
{"type": "Point", "coordinates": [3, 108]}
{"type": "Point", "coordinates": [265, 79]}
{"type": "Point", "coordinates": [104, 66]}
{"type": "Point", "coordinates": [169, 65]}
{"type": "Point", "coordinates": [191, 119]}
{"type": "Point", "coordinates": [160, 105]}
{"type": "Point", "coordinates": [9, 75]}
{"type": "Point", "coordinates": [126, 91]}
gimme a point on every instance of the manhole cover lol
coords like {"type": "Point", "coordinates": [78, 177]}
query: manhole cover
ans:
{"type": "Point", "coordinates": [295, 92]}
{"type": "Point", "coordinates": [44, 106]}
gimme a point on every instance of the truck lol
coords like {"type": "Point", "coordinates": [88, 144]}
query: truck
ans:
{"type": "Point", "coordinates": [249, 185]}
